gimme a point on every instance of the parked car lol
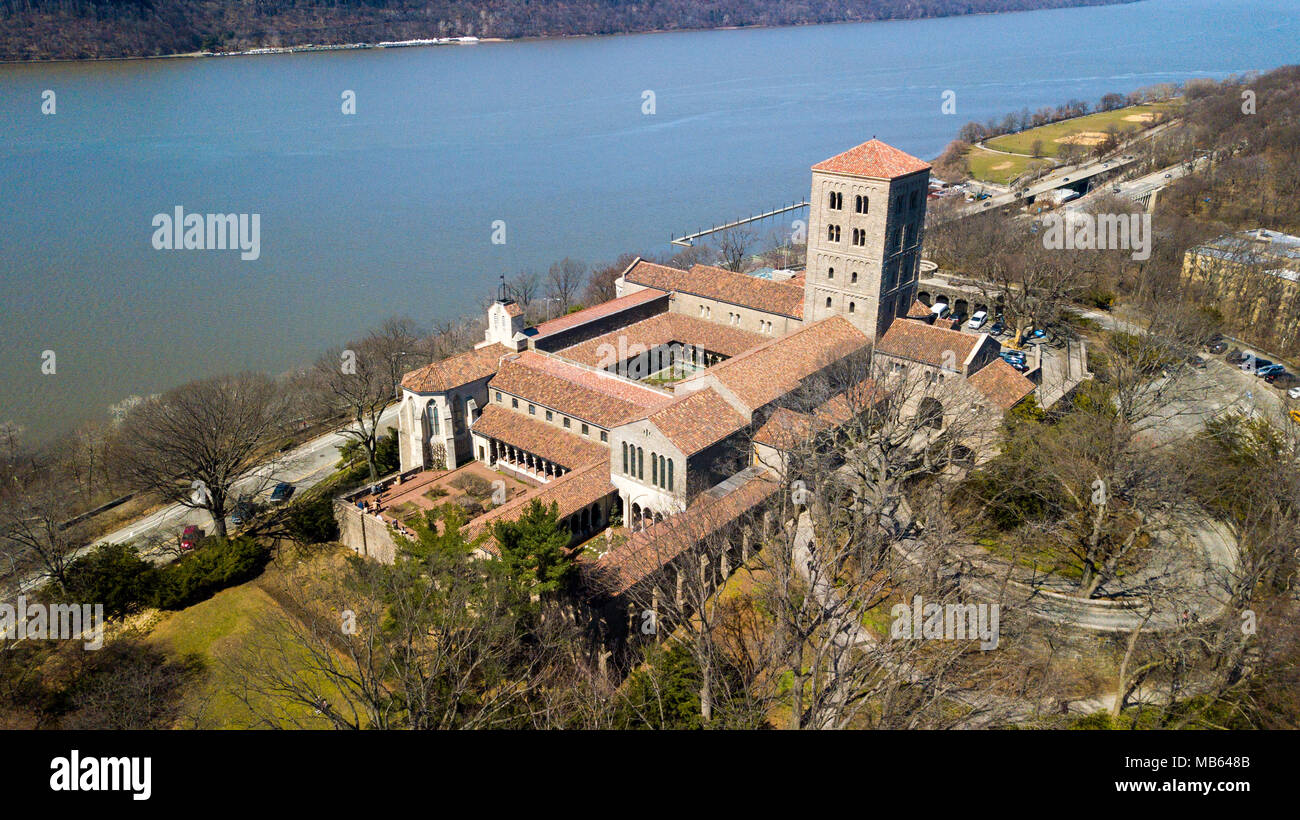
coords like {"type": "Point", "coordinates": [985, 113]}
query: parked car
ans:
{"type": "Point", "coordinates": [1269, 369]}
{"type": "Point", "coordinates": [1294, 392]}
{"type": "Point", "coordinates": [243, 511]}
{"type": "Point", "coordinates": [282, 491]}
{"type": "Point", "coordinates": [1295, 416]}
{"type": "Point", "coordinates": [1018, 364]}
{"type": "Point", "coordinates": [1196, 361]}
{"type": "Point", "coordinates": [1217, 347]}
{"type": "Point", "coordinates": [978, 318]}
{"type": "Point", "coordinates": [190, 537]}
{"type": "Point", "coordinates": [1012, 356]}
{"type": "Point", "coordinates": [941, 310]}
{"type": "Point", "coordinates": [997, 328]}
{"type": "Point", "coordinates": [1235, 357]}
{"type": "Point", "coordinates": [1281, 379]}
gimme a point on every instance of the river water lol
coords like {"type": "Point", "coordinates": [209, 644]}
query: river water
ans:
{"type": "Point", "coordinates": [391, 210]}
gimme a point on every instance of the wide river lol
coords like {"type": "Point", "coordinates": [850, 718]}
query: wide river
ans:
{"type": "Point", "coordinates": [391, 210]}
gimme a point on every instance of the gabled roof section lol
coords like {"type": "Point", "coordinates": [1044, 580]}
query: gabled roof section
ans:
{"type": "Point", "coordinates": [601, 398]}
{"type": "Point", "coordinates": [697, 420]}
{"type": "Point", "coordinates": [568, 449]}
{"type": "Point", "coordinates": [660, 330]}
{"type": "Point", "coordinates": [761, 375]}
{"type": "Point", "coordinates": [873, 159]}
{"type": "Point", "coordinates": [1001, 384]}
{"type": "Point", "coordinates": [786, 429]}
{"type": "Point", "coordinates": [570, 492]}
{"type": "Point", "coordinates": [645, 552]}
{"type": "Point", "coordinates": [929, 345]}
{"type": "Point", "coordinates": [780, 298]}
{"type": "Point", "coordinates": [455, 371]}
{"type": "Point", "coordinates": [595, 312]}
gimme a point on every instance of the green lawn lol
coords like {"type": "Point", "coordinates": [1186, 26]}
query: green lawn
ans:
{"type": "Point", "coordinates": [991, 166]}
{"type": "Point", "coordinates": [218, 630]}
{"type": "Point", "coordinates": [1086, 129]}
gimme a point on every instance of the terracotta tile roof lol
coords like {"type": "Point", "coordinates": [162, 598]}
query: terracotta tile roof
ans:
{"type": "Point", "coordinates": [923, 343]}
{"type": "Point", "coordinates": [660, 330]}
{"type": "Point", "coordinates": [765, 373]}
{"type": "Point", "coordinates": [455, 371]}
{"type": "Point", "coordinates": [552, 443]}
{"type": "Point", "coordinates": [596, 312]}
{"type": "Point", "coordinates": [600, 398]}
{"type": "Point", "coordinates": [697, 420]}
{"type": "Point", "coordinates": [571, 492]}
{"type": "Point", "coordinates": [919, 310]}
{"type": "Point", "coordinates": [620, 569]}
{"type": "Point", "coordinates": [513, 309]}
{"type": "Point", "coordinates": [786, 428]}
{"type": "Point", "coordinates": [999, 382]}
{"type": "Point", "coordinates": [780, 298]}
{"type": "Point", "coordinates": [873, 159]}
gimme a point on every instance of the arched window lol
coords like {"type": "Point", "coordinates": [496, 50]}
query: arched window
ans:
{"type": "Point", "coordinates": [854, 277]}
{"type": "Point", "coordinates": [828, 301]}
{"type": "Point", "coordinates": [850, 307]}
{"type": "Point", "coordinates": [640, 463]}
{"type": "Point", "coordinates": [830, 273]}
{"type": "Point", "coordinates": [670, 475]}
{"type": "Point", "coordinates": [663, 472]}
{"type": "Point", "coordinates": [625, 469]}
{"type": "Point", "coordinates": [654, 469]}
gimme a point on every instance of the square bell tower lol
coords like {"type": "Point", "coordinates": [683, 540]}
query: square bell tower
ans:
{"type": "Point", "coordinates": [865, 225]}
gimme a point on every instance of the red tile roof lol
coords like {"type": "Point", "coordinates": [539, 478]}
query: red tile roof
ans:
{"type": "Point", "coordinates": [594, 396]}
{"type": "Point", "coordinates": [513, 309]}
{"type": "Point", "coordinates": [660, 330]}
{"type": "Point", "coordinates": [786, 428]}
{"type": "Point", "coordinates": [780, 298]}
{"type": "Point", "coordinates": [697, 420]}
{"type": "Point", "coordinates": [568, 449]}
{"type": "Point", "coordinates": [595, 312]}
{"type": "Point", "coordinates": [923, 343]}
{"type": "Point", "coordinates": [571, 492]}
{"type": "Point", "coordinates": [1001, 384]}
{"type": "Point", "coordinates": [919, 310]}
{"type": "Point", "coordinates": [873, 159]}
{"type": "Point", "coordinates": [620, 569]}
{"type": "Point", "coordinates": [766, 373]}
{"type": "Point", "coordinates": [455, 371]}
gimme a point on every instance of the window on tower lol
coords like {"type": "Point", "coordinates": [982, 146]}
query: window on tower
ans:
{"type": "Point", "coordinates": [853, 277]}
{"type": "Point", "coordinates": [828, 301]}
{"type": "Point", "coordinates": [836, 201]}
{"type": "Point", "coordinates": [830, 273]}
{"type": "Point", "coordinates": [860, 204]}
{"type": "Point", "coordinates": [851, 307]}
{"type": "Point", "coordinates": [833, 233]}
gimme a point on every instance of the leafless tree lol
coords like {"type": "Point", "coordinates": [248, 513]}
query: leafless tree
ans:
{"type": "Point", "coordinates": [564, 280]}
{"type": "Point", "coordinates": [523, 288]}
{"type": "Point", "coordinates": [193, 444]}
{"type": "Point", "coordinates": [733, 247]}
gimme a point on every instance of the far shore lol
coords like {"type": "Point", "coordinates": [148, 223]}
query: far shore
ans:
{"type": "Point", "coordinates": [312, 48]}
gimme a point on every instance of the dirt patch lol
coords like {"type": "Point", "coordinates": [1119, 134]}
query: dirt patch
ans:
{"type": "Point", "coordinates": [1001, 166]}
{"type": "Point", "coordinates": [1084, 138]}
{"type": "Point", "coordinates": [1143, 117]}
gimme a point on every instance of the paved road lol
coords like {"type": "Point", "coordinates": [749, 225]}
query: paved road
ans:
{"type": "Point", "coordinates": [304, 467]}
